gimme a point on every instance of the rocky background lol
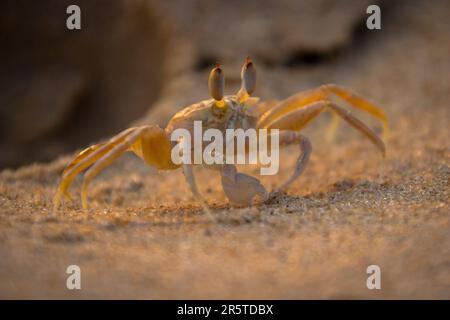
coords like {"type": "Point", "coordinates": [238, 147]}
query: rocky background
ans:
{"type": "Point", "coordinates": [145, 237]}
{"type": "Point", "coordinates": [63, 89]}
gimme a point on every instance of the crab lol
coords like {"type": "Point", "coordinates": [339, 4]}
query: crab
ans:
{"type": "Point", "coordinates": [152, 143]}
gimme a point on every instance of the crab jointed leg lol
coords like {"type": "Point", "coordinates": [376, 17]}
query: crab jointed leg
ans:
{"type": "Point", "coordinates": [190, 178]}
{"type": "Point", "coordinates": [323, 93]}
{"type": "Point", "coordinates": [298, 119]}
{"type": "Point", "coordinates": [148, 142]}
{"type": "Point", "coordinates": [289, 137]}
{"type": "Point", "coordinates": [107, 159]}
{"type": "Point", "coordinates": [84, 159]}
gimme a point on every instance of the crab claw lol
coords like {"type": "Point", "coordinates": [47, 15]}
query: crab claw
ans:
{"type": "Point", "coordinates": [241, 188]}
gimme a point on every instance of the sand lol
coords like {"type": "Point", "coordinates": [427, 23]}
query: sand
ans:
{"type": "Point", "coordinates": [145, 237]}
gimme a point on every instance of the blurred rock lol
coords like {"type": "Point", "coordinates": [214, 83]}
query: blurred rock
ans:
{"type": "Point", "coordinates": [270, 31]}
{"type": "Point", "coordinates": [62, 89]}
{"type": "Point", "coordinates": [35, 108]}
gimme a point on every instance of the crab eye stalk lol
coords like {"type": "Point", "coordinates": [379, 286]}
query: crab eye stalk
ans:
{"type": "Point", "coordinates": [248, 77]}
{"type": "Point", "coordinates": [216, 84]}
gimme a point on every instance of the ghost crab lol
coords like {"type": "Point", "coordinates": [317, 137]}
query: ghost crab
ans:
{"type": "Point", "coordinates": [152, 143]}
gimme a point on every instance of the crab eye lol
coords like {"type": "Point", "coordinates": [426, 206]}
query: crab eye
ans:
{"type": "Point", "coordinates": [248, 76]}
{"type": "Point", "coordinates": [216, 83]}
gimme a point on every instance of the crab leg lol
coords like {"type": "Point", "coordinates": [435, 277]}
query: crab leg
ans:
{"type": "Point", "coordinates": [323, 93]}
{"type": "Point", "coordinates": [107, 159]}
{"type": "Point", "coordinates": [190, 178]}
{"type": "Point", "coordinates": [288, 138]}
{"type": "Point", "coordinates": [70, 174]}
{"type": "Point", "coordinates": [356, 101]}
{"type": "Point", "coordinates": [148, 142]}
{"type": "Point", "coordinates": [360, 103]}
{"type": "Point", "coordinates": [84, 159]}
{"type": "Point", "coordinates": [298, 119]}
